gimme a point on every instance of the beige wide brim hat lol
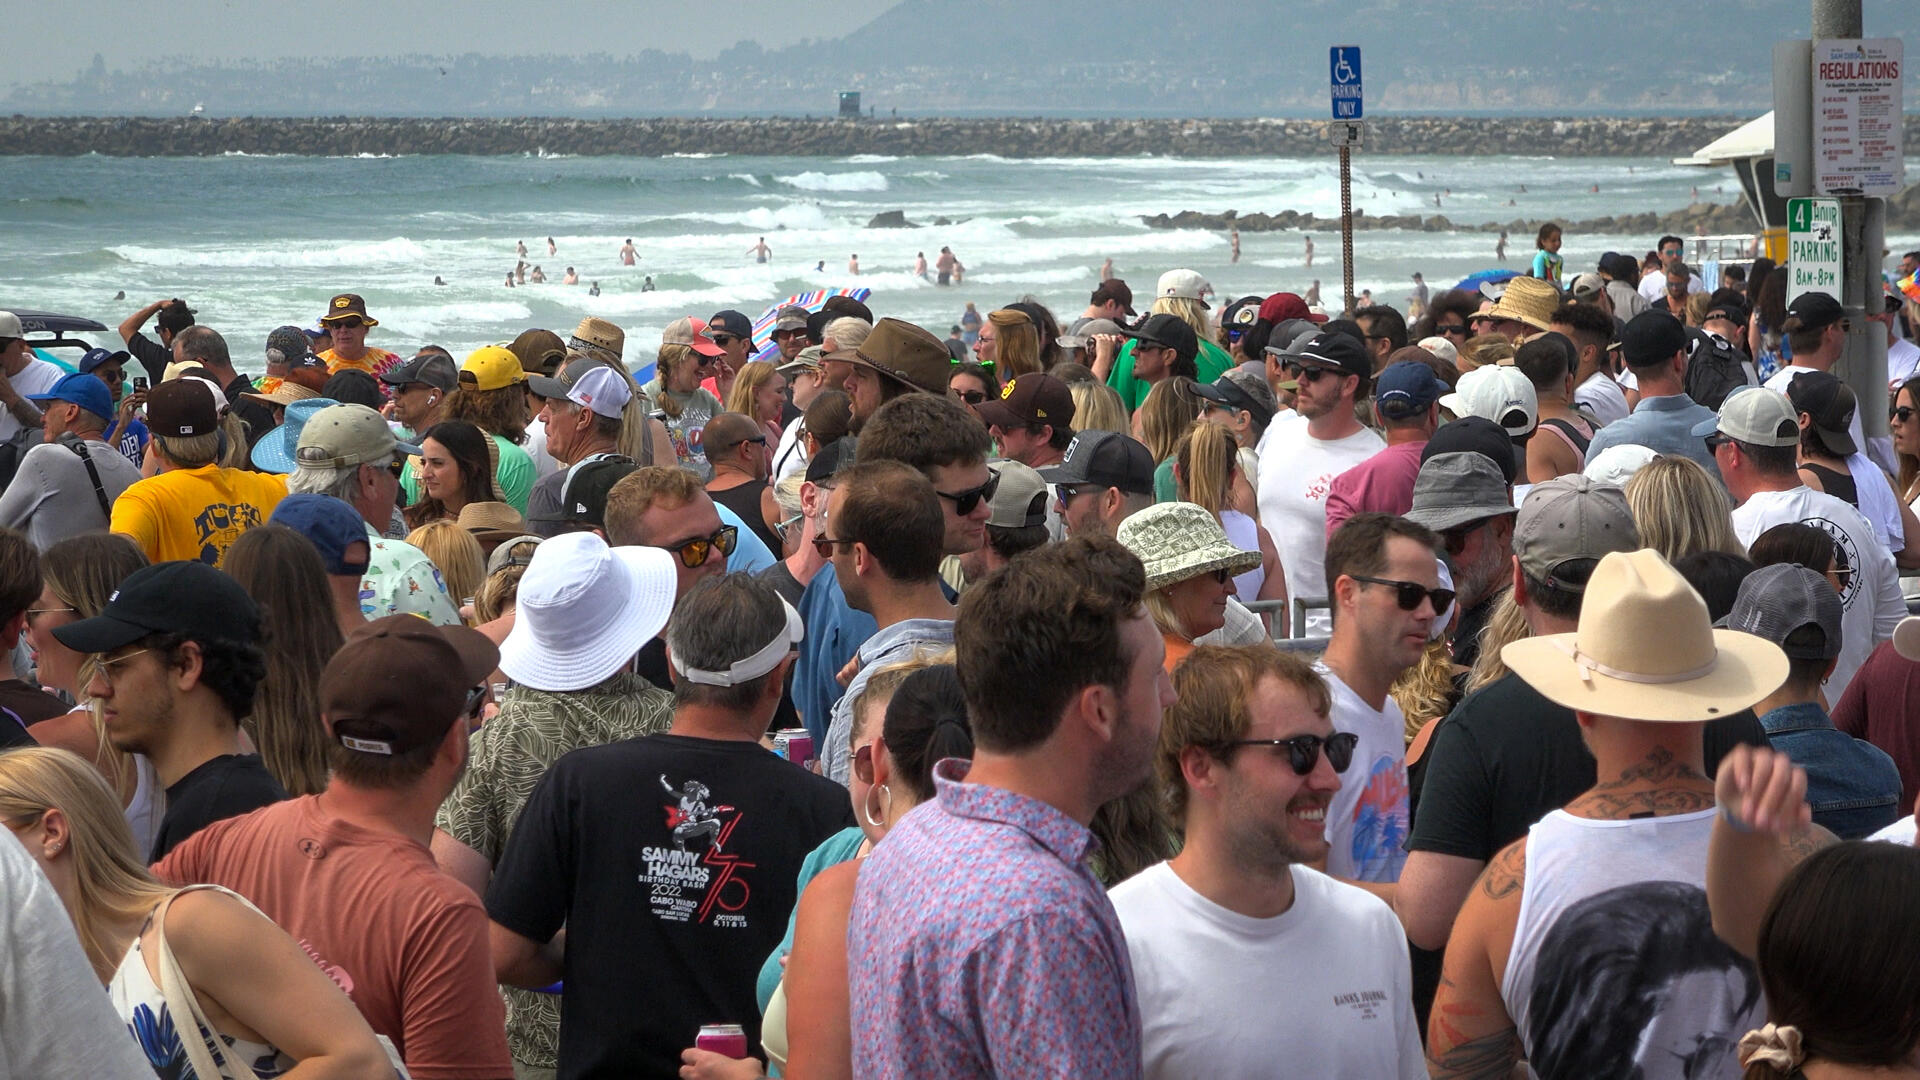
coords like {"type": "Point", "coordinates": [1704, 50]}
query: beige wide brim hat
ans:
{"type": "Point", "coordinates": [1530, 300]}
{"type": "Point", "coordinates": [1179, 540]}
{"type": "Point", "coordinates": [1647, 650]}
{"type": "Point", "coordinates": [285, 394]}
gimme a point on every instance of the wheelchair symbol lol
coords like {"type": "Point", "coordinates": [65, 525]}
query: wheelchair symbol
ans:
{"type": "Point", "coordinates": [1343, 72]}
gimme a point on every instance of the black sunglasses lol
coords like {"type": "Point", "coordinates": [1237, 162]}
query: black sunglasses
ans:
{"type": "Point", "coordinates": [1303, 751]}
{"type": "Point", "coordinates": [973, 397]}
{"type": "Point", "coordinates": [1410, 593]}
{"type": "Point", "coordinates": [965, 501]}
{"type": "Point", "coordinates": [1903, 414]}
{"type": "Point", "coordinates": [696, 552]}
{"type": "Point", "coordinates": [1715, 441]}
{"type": "Point", "coordinates": [1455, 328]}
{"type": "Point", "coordinates": [1456, 537]}
{"type": "Point", "coordinates": [1307, 374]}
{"type": "Point", "coordinates": [723, 340]}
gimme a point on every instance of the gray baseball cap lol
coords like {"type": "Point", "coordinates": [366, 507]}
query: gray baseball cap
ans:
{"type": "Point", "coordinates": [1571, 518]}
{"type": "Point", "coordinates": [1776, 600]}
{"type": "Point", "coordinates": [1458, 489]}
{"type": "Point", "coordinates": [557, 385]}
{"type": "Point", "coordinates": [1085, 329]}
{"type": "Point", "coordinates": [430, 368]}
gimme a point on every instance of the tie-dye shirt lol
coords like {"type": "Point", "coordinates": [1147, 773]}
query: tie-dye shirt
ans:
{"type": "Point", "coordinates": [983, 946]}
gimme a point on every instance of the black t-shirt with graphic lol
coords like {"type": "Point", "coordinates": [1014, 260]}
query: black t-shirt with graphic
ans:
{"type": "Point", "coordinates": [671, 861]}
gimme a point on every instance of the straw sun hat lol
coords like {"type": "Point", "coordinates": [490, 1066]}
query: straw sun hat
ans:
{"type": "Point", "coordinates": [1647, 650]}
{"type": "Point", "coordinates": [1180, 540]}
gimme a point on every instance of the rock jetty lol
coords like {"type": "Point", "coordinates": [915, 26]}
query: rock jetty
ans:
{"type": "Point", "coordinates": [129, 136]}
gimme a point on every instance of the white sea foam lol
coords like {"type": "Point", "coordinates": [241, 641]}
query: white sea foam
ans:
{"type": "Point", "coordinates": [864, 180]}
{"type": "Point", "coordinates": [398, 250]}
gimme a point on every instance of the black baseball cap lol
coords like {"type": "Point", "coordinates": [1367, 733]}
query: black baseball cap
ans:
{"type": "Point", "coordinates": [1335, 350]}
{"type": "Point", "coordinates": [1225, 391]}
{"type": "Point", "coordinates": [1815, 310]}
{"type": "Point", "coordinates": [1652, 337]}
{"type": "Point", "coordinates": [1474, 434]}
{"type": "Point", "coordinates": [834, 458]}
{"type": "Point", "coordinates": [190, 598]}
{"type": "Point", "coordinates": [731, 322]}
{"type": "Point", "coordinates": [1105, 459]}
{"type": "Point", "coordinates": [583, 495]}
{"type": "Point", "coordinates": [1168, 331]}
{"type": "Point", "coordinates": [1829, 405]}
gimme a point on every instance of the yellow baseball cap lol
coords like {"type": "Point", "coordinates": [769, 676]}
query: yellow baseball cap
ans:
{"type": "Point", "coordinates": [491, 368]}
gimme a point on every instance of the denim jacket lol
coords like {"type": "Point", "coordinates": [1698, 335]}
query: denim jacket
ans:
{"type": "Point", "coordinates": [1852, 785]}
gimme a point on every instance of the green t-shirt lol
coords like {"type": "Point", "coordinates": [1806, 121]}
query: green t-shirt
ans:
{"type": "Point", "coordinates": [1165, 487]}
{"type": "Point", "coordinates": [514, 476]}
{"type": "Point", "coordinates": [1212, 363]}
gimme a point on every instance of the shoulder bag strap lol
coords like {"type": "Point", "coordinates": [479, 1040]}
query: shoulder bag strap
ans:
{"type": "Point", "coordinates": [185, 1007]}
{"type": "Point", "coordinates": [93, 474]}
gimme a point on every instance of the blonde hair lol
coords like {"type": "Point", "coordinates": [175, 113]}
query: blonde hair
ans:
{"type": "Point", "coordinates": [1187, 311]}
{"type": "Point", "coordinates": [111, 883]}
{"type": "Point", "coordinates": [1424, 691]}
{"type": "Point", "coordinates": [1506, 625]}
{"type": "Point", "coordinates": [1204, 465]}
{"type": "Point", "coordinates": [1161, 608]}
{"type": "Point", "coordinates": [1680, 509]}
{"type": "Point", "coordinates": [746, 383]}
{"type": "Point", "coordinates": [457, 554]}
{"type": "Point", "coordinates": [1483, 350]}
{"type": "Point", "coordinates": [1019, 351]}
{"type": "Point", "coordinates": [669, 358]}
{"type": "Point", "coordinates": [1098, 407]}
{"type": "Point", "coordinates": [1698, 304]}
{"type": "Point", "coordinates": [1168, 411]}
{"type": "Point", "coordinates": [885, 681]}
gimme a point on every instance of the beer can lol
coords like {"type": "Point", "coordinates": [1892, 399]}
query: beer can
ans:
{"type": "Point", "coordinates": [794, 744]}
{"type": "Point", "coordinates": [729, 1040]}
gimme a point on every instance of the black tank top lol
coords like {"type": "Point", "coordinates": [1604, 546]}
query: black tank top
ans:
{"type": "Point", "coordinates": [1837, 484]}
{"type": "Point", "coordinates": [745, 501]}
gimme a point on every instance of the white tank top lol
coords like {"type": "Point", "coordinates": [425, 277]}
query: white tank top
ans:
{"type": "Point", "coordinates": [1615, 969]}
{"type": "Point", "coordinates": [1244, 533]}
{"type": "Point", "coordinates": [147, 806]}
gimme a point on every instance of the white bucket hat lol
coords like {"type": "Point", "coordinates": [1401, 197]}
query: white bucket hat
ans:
{"type": "Point", "coordinates": [1647, 650]}
{"type": "Point", "coordinates": [585, 609]}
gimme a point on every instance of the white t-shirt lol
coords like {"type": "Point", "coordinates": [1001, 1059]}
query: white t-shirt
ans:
{"type": "Point", "coordinates": [535, 445]}
{"type": "Point", "coordinates": [1368, 820]}
{"type": "Point", "coordinates": [1870, 483]}
{"type": "Point", "coordinates": [791, 455]}
{"type": "Point", "coordinates": [1900, 832]}
{"type": "Point", "coordinates": [37, 377]}
{"type": "Point", "coordinates": [1296, 470]}
{"type": "Point", "coordinates": [1872, 602]}
{"type": "Point", "coordinates": [1903, 357]}
{"type": "Point", "coordinates": [1603, 397]}
{"type": "Point", "coordinates": [1654, 286]}
{"type": "Point", "coordinates": [1320, 990]}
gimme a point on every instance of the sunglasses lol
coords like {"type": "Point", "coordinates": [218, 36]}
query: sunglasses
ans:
{"type": "Point", "coordinates": [1716, 441]}
{"type": "Point", "coordinates": [723, 340]}
{"type": "Point", "coordinates": [695, 552]}
{"type": "Point", "coordinates": [1303, 751]}
{"type": "Point", "coordinates": [824, 545]}
{"type": "Point", "coordinates": [1456, 537]}
{"type": "Point", "coordinates": [1903, 414]}
{"type": "Point", "coordinates": [973, 397]}
{"type": "Point", "coordinates": [1409, 594]}
{"type": "Point", "coordinates": [1066, 493]}
{"type": "Point", "coordinates": [964, 502]}
{"type": "Point", "coordinates": [1452, 329]}
{"type": "Point", "coordinates": [1308, 374]}
{"type": "Point", "coordinates": [345, 324]}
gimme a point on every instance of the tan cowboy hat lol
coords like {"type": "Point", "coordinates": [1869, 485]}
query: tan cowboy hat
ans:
{"type": "Point", "coordinates": [285, 394]}
{"type": "Point", "coordinates": [1529, 300]}
{"type": "Point", "coordinates": [491, 523]}
{"type": "Point", "coordinates": [1647, 650]}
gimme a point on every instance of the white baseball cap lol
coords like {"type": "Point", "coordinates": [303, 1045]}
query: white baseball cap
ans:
{"type": "Point", "coordinates": [1503, 395]}
{"type": "Point", "coordinates": [1616, 465]}
{"type": "Point", "coordinates": [584, 610]}
{"type": "Point", "coordinates": [10, 325]}
{"type": "Point", "coordinates": [1183, 285]}
{"type": "Point", "coordinates": [1441, 348]}
{"type": "Point", "coordinates": [602, 390]}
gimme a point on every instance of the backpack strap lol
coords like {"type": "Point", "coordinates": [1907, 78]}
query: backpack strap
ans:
{"type": "Point", "coordinates": [93, 474]}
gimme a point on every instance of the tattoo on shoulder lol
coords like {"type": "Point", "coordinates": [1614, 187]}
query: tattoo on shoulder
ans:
{"type": "Point", "coordinates": [1506, 873]}
{"type": "Point", "coordinates": [1810, 839]}
{"type": "Point", "coordinates": [1489, 1057]}
{"type": "Point", "coordinates": [1658, 766]}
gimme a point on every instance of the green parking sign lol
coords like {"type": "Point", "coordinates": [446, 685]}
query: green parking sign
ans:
{"type": "Point", "coordinates": [1815, 259]}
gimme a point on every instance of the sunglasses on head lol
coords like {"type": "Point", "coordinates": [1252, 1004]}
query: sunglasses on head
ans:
{"type": "Point", "coordinates": [1303, 751]}
{"type": "Point", "coordinates": [695, 552]}
{"type": "Point", "coordinates": [1408, 594]}
{"type": "Point", "coordinates": [964, 502]}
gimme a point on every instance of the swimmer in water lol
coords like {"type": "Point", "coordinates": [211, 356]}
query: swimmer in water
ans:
{"type": "Point", "coordinates": [571, 278]}
{"type": "Point", "coordinates": [437, 280]}
{"type": "Point", "coordinates": [628, 254]}
{"type": "Point", "coordinates": [539, 277]}
{"type": "Point", "coordinates": [820, 267]}
{"type": "Point", "coordinates": [760, 251]}
{"type": "Point", "coordinates": [594, 290]}
{"type": "Point", "coordinates": [551, 250]}
{"type": "Point", "coordinates": [647, 285]}
{"type": "Point", "coordinates": [509, 279]}
{"type": "Point", "coordinates": [521, 247]}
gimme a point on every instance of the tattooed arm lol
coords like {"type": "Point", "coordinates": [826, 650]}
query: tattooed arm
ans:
{"type": "Point", "coordinates": [1469, 1034]}
{"type": "Point", "coordinates": [1747, 862]}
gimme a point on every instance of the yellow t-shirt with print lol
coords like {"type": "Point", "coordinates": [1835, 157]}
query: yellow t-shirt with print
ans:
{"type": "Point", "coordinates": [195, 514]}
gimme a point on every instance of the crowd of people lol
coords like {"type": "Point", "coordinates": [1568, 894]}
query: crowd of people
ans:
{"type": "Point", "coordinates": [1154, 693]}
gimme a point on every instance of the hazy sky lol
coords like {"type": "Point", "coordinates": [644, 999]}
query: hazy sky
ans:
{"type": "Point", "coordinates": [52, 40]}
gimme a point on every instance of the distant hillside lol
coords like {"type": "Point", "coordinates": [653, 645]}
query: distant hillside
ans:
{"type": "Point", "coordinates": [1055, 57]}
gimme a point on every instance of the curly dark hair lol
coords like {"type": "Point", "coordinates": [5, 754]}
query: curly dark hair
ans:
{"type": "Point", "coordinates": [231, 669]}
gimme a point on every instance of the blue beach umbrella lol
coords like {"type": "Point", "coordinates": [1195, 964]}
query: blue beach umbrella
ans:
{"type": "Point", "coordinates": [1473, 281]}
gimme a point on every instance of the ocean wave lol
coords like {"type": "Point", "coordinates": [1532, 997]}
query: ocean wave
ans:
{"type": "Point", "coordinates": [748, 177]}
{"type": "Point", "coordinates": [697, 155]}
{"type": "Point", "coordinates": [868, 159]}
{"type": "Point", "coordinates": [396, 251]}
{"type": "Point", "coordinates": [865, 180]}
{"type": "Point", "coordinates": [428, 317]}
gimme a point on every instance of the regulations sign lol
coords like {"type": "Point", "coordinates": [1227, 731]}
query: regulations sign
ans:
{"type": "Point", "coordinates": [1343, 69]}
{"type": "Point", "coordinates": [1814, 262]}
{"type": "Point", "coordinates": [1856, 116]}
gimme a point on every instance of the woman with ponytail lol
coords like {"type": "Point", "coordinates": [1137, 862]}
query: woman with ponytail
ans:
{"type": "Point", "coordinates": [1206, 472]}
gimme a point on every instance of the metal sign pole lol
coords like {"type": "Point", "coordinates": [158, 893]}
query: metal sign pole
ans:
{"type": "Point", "coordinates": [1346, 225]}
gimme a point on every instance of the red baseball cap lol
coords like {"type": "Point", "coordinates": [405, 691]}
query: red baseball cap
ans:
{"type": "Point", "coordinates": [1282, 306]}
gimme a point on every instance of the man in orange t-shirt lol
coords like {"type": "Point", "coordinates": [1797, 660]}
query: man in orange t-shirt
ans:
{"type": "Point", "coordinates": [348, 322]}
{"type": "Point", "coordinates": [348, 873]}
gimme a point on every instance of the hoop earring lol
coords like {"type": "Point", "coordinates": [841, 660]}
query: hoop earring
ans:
{"type": "Point", "coordinates": [886, 806]}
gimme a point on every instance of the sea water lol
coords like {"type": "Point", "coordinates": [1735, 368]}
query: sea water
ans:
{"type": "Point", "coordinates": [255, 242]}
